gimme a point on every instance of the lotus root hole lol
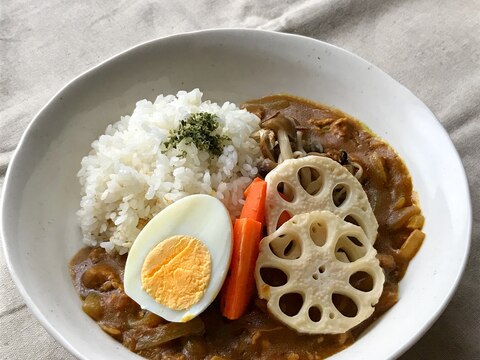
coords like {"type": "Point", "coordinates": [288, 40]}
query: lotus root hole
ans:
{"type": "Point", "coordinates": [344, 305]}
{"type": "Point", "coordinates": [318, 233]}
{"type": "Point", "coordinates": [342, 256]}
{"type": "Point", "coordinates": [340, 194]}
{"type": "Point", "coordinates": [349, 249]}
{"type": "Point", "coordinates": [286, 246]}
{"type": "Point", "coordinates": [315, 314]}
{"type": "Point", "coordinates": [291, 303]}
{"type": "Point", "coordinates": [286, 191]}
{"type": "Point", "coordinates": [355, 240]}
{"type": "Point", "coordinates": [361, 281]}
{"type": "Point", "coordinates": [352, 220]}
{"type": "Point", "coordinates": [273, 276]}
{"type": "Point", "coordinates": [310, 180]}
{"type": "Point", "coordinates": [283, 218]}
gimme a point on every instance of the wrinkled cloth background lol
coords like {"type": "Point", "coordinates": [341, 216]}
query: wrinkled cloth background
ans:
{"type": "Point", "coordinates": [432, 47]}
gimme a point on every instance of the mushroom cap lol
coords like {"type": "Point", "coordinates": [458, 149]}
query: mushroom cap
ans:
{"type": "Point", "coordinates": [281, 122]}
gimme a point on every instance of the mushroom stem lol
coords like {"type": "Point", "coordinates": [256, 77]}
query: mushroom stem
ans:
{"type": "Point", "coordinates": [305, 173]}
{"type": "Point", "coordinates": [284, 128]}
{"type": "Point", "coordinates": [284, 144]}
{"type": "Point", "coordinates": [267, 153]}
{"type": "Point", "coordinates": [359, 172]}
{"type": "Point", "coordinates": [300, 143]}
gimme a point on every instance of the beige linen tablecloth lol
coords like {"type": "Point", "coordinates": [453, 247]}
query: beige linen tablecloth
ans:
{"type": "Point", "coordinates": [432, 47]}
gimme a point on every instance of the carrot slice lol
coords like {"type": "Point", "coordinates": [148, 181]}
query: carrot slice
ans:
{"type": "Point", "coordinates": [239, 285]}
{"type": "Point", "coordinates": [252, 184]}
{"type": "Point", "coordinates": [255, 197]}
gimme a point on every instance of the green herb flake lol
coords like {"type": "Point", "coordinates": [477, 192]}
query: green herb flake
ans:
{"type": "Point", "coordinates": [198, 129]}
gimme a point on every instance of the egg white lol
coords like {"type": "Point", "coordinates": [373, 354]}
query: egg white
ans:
{"type": "Point", "coordinates": [201, 216]}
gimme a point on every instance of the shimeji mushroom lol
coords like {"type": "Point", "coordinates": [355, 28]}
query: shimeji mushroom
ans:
{"type": "Point", "coordinates": [285, 130]}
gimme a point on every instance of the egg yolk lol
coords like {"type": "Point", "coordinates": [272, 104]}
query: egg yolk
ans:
{"type": "Point", "coordinates": [177, 271]}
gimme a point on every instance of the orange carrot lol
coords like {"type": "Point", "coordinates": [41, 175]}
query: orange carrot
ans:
{"type": "Point", "coordinates": [283, 218]}
{"type": "Point", "coordinates": [249, 187]}
{"type": "Point", "coordinates": [255, 196]}
{"type": "Point", "coordinates": [247, 233]}
{"type": "Point", "coordinates": [239, 285]}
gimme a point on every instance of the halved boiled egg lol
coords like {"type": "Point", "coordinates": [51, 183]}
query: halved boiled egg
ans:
{"type": "Point", "coordinates": [180, 259]}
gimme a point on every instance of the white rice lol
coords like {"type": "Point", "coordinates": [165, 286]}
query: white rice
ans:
{"type": "Point", "coordinates": [126, 177]}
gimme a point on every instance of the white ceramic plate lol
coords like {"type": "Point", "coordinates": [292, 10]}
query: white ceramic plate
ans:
{"type": "Point", "coordinates": [41, 191]}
